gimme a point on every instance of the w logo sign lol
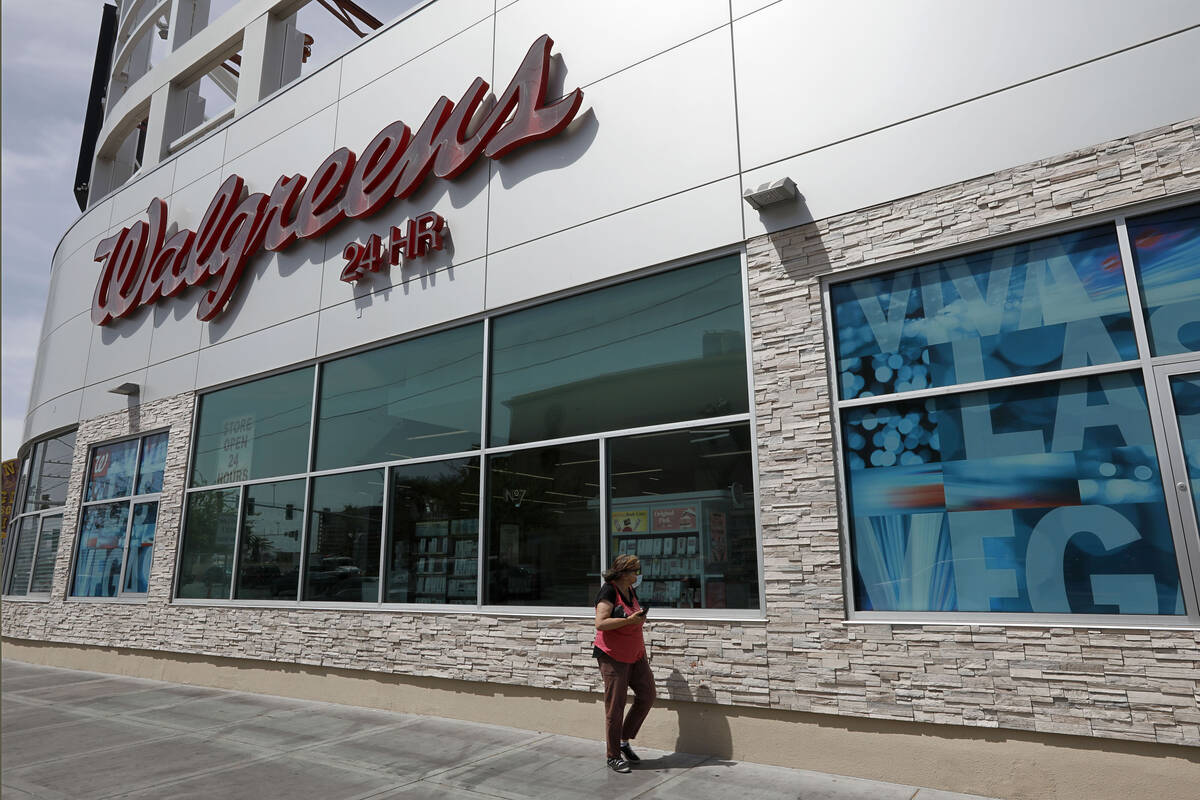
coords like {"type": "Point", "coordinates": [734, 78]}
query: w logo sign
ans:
{"type": "Point", "coordinates": [100, 464]}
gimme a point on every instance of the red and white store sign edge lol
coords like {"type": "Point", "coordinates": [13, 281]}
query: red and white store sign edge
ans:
{"type": "Point", "coordinates": [141, 265]}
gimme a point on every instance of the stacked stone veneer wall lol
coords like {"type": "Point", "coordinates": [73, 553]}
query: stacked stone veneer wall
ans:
{"type": "Point", "coordinates": [1128, 684]}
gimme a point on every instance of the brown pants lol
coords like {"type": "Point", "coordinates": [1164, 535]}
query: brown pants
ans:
{"type": "Point", "coordinates": [619, 677]}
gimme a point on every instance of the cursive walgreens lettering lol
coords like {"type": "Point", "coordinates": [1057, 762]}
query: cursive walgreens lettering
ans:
{"type": "Point", "coordinates": [140, 264]}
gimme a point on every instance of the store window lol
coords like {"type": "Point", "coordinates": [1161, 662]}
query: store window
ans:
{"type": "Point", "coordinates": [119, 517]}
{"type": "Point", "coordinates": [657, 350]}
{"type": "Point", "coordinates": [410, 499]}
{"type": "Point", "coordinates": [413, 399]}
{"type": "Point", "coordinates": [1166, 252]}
{"type": "Point", "coordinates": [256, 430]}
{"type": "Point", "coordinates": [34, 532]}
{"type": "Point", "coordinates": [1029, 492]}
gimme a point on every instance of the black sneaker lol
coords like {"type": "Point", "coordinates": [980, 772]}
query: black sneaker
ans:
{"type": "Point", "coordinates": [619, 765]}
{"type": "Point", "coordinates": [630, 756]}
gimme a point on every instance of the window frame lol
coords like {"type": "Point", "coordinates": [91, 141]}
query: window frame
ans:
{"type": "Point", "coordinates": [24, 479]}
{"type": "Point", "coordinates": [131, 500]}
{"type": "Point", "coordinates": [1187, 549]}
{"type": "Point", "coordinates": [484, 453]}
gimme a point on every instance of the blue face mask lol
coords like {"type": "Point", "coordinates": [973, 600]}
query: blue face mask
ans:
{"type": "Point", "coordinates": [637, 581]}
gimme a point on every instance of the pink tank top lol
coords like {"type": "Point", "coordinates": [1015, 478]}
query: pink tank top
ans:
{"type": "Point", "coordinates": [623, 644]}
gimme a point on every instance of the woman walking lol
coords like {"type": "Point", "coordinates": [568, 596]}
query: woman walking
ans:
{"type": "Point", "coordinates": [621, 654]}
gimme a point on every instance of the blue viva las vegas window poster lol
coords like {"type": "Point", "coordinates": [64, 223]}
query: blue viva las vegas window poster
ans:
{"type": "Point", "coordinates": [1041, 497]}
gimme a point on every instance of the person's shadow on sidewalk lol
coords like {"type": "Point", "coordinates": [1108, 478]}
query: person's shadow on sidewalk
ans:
{"type": "Point", "coordinates": [704, 733]}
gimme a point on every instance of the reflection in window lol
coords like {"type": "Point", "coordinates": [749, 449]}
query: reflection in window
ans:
{"type": "Point", "coordinates": [433, 545]}
{"type": "Point", "coordinates": [542, 546]}
{"type": "Point", "coordinates": [154, 460]}
{"type": "Point", "coordinates": [47, 550]}
{"type": "Point", "coordinates": [256, 430]}
{"type": "Point", "coordinates": [1166, 251]}
{"type": "Point", "coordinates": [1049, 304]}
{"type": "Point", "coordinates": [50, 473]}
{"type": "Point", "coordinates": [120, 470]}
{"type": "Point", "coordinates": [344, 538]}
{"type": "Point", "coordinates": [411, 399]}
{"type": "Point", "coordinates": [269, 561]}
{"type": "Point", "coordinates": [22, 565]}
{"type": "Point", "coordinates": [101, 550]}
{"type": "Point", "coordinates": [661, 349]}
{"type": "Point", "coordinates": [110, 473]}
{"type": "Point", "coordinates": [206, 564]}
{"type": "Point", "coordinates": [1036, 498]}
{"type": "Point", "coordinates": [141, 547]}
{"type": "Point", "coordinates": [1185, 392]}
{"type": "Point", "coordinates": [682, 501]}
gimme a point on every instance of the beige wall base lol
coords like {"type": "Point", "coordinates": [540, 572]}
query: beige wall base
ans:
{"type": "Point", "coordinates": [998, 763]}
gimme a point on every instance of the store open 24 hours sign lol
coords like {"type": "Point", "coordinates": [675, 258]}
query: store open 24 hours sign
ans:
{"type": "Point", "coordinates": [141, 265]}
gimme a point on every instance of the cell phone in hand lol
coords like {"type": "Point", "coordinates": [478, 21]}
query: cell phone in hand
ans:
{"type": "Point", "coordinates": [646, 609]}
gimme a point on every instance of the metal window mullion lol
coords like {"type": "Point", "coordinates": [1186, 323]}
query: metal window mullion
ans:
{"type": "Point", "coordinates": [995, 383]}
{"type": "Point", "coordinates": [318, 373]}
{"type": "Point", "coordinates": [1158, 404]}
{"type": "Point", "coordinates": [385, 534]}
{"type": "Point", "coordinates": [591, 436]}
{"type": "Point", "coordinates": [237, 541]}
{"type": "Point", "coordinates": [1180, 510]}
{"type": "Point", "coordinates": [484, 434]}
{"type": "Point", "coordinates": [305, 532]}
{"type": "Point", "coordinates": [605, 492]}
{"type": "Point", "coordinates": [37, 541]}
{"type": "Point", "coordinates": [125, 549]}
{"type": "Point", "coordinates": [1133, 290]}
{"type": "Point", "coordinates": [137, 469]}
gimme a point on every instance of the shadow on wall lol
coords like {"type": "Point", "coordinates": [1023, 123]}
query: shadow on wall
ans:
{"type": "Point", "coordinates": [703, 728]}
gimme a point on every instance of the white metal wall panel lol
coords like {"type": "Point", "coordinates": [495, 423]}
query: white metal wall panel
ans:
{"type": "Point", "coordinates": [166, 378]}
{"type": "Point", "coordinates": [280, 345]}
{"type": "Point", "coordinates": [129, 205]}
{"type": "Point", "coordinates": [119, 346]}
{"type": "Point", "coordinates": [55, 413]}
{"type": "Point", "coordinates": [420, 300]}
{"type": "Point", "coordinates": [642, 134]}
{"type": "Point", "coordinates": [200, 159]}
{"type": "Point", "coordinates": [62, 360]}
{"type": "Point", "coordinates": [1102, 100]}
{"type": "Point", "coordinates": [810, 74]}
{"type": "Point", "coordinates": [284, 112]}
{"type": "Point", "coordinates": [428, 28]}
{"type": "Point", "coordinates": [596, 38]}
{"type": "Point", "coordinates": [72, 286]}
{"type": "Point", "coordinates": [684, 223]}
{"type": "Point", "coordinates": [98, 400]}
{"type": "Point", "coordinates": [91, 224]}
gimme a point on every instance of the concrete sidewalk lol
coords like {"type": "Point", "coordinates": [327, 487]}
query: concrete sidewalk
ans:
{"type": "Point", "coordinates": [86, 735]}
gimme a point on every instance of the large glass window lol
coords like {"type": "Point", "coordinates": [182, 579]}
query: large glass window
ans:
{"type": "Point", "coordinates": [1166, 251]}
{"type": "Point", "coordinates": [433, 545]}
{"type": "Point", "coordinates": [1049, 304]}
{"type": "Point", "coordinates": [661, 349]}
{"type": "Point", "coordinates": [116, 542]}
{"type": "Point", "coordinates": [413, 399]}
{"type": "Point", "coordinates": [33, 534]}
{"type": "Point", "coordinates": [269, 552]}
{"type": "Point", "coordinates": [256, 430]}
{"type": "Point", "coordinates": [544, 512]}
{"type": "Point", "coordinates": [344, 538]}
{"type": "Point", "coordinates": [206, 563]}
{"type": "Point", "coordinates": [1028, 494]}
{"type": "Point", "coordinates": [390, 510]}
{"type": "Point", "coordinates": [682, 501]}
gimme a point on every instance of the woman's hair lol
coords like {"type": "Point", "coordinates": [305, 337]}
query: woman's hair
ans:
{"type": "Point", "coordinates": [623, 563]}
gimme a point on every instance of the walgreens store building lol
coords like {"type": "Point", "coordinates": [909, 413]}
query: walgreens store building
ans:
{"type": "Point", "coordinates": [873, 329]}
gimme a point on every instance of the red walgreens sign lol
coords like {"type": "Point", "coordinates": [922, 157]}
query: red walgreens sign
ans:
{"type": "Point", "coordinates": [142, 265]}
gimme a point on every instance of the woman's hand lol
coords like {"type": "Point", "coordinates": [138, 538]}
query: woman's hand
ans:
{"type": "Point", "coordinates": [605, 621]}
